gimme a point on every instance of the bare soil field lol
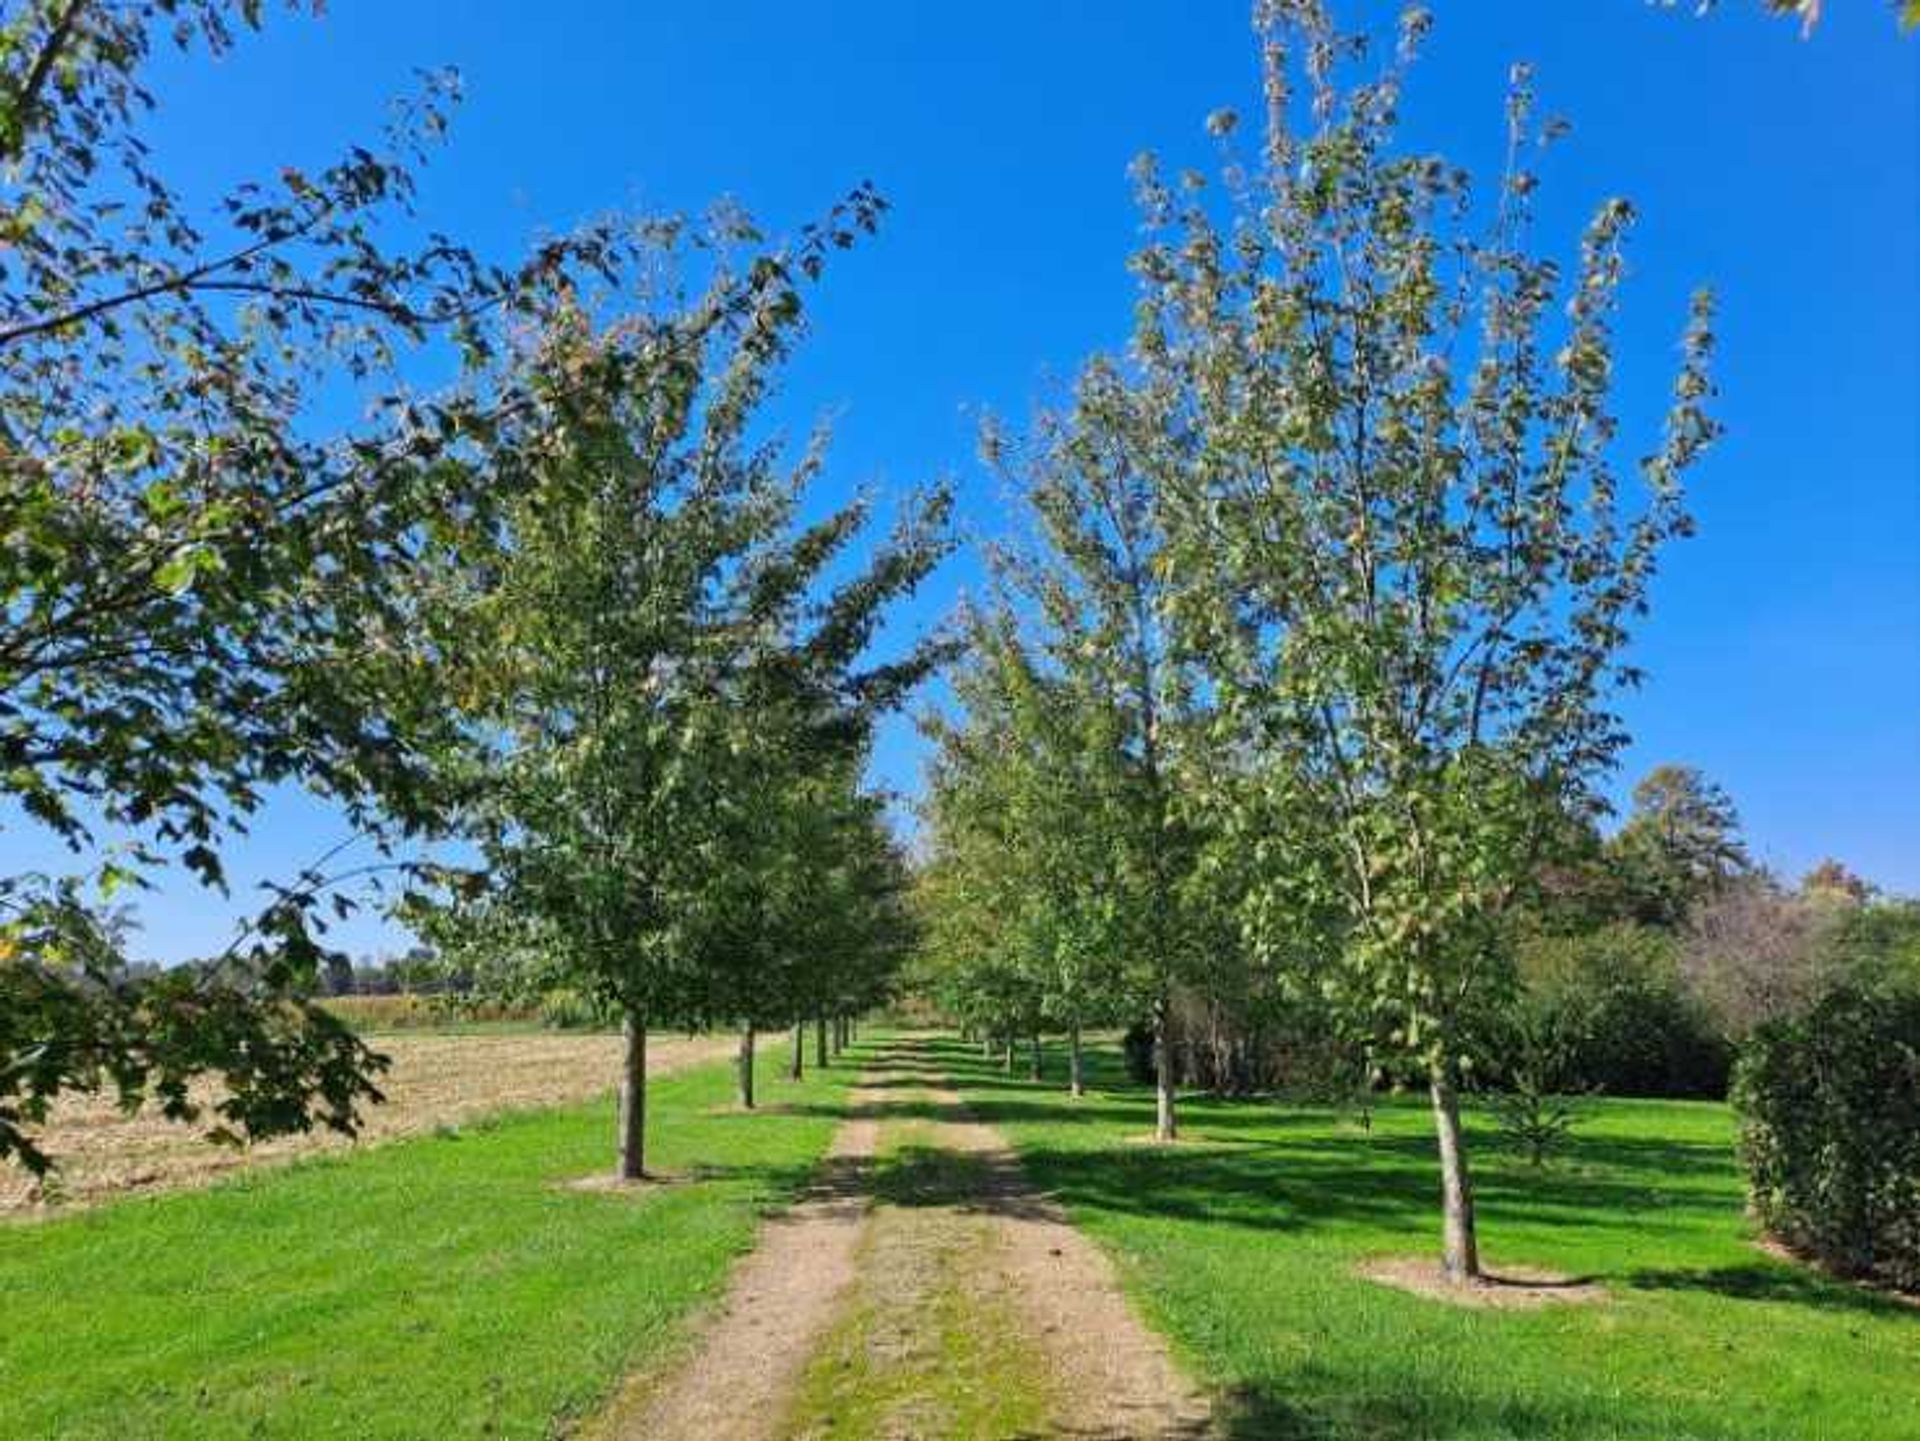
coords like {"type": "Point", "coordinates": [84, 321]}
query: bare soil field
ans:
{"type": "Point", "coordinates": [435, 1080]}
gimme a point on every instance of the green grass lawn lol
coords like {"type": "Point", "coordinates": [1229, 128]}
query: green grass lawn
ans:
{"type": "Point", "coordinates": [438, 1287]}
{"type": "Point", "coordinates": [1240, 1243]}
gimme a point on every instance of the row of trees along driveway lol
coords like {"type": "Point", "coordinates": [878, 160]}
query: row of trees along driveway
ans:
{"type": "Point", "coordinates": [1330, 581]}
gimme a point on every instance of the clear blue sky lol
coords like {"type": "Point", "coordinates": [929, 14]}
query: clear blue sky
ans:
{"type": "Point", "coordinates": [1784, 648]}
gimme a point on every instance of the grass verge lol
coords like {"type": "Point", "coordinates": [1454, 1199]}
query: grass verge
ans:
{"type": "Point", "coordinates": [436, 1287]}
{"type": "Point", "coordinates": [1241, 1244]}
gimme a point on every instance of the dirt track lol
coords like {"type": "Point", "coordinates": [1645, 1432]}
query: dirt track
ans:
{"type": "Point", "coordinates": [973, 1235]}
{"type": "Point", "coordinates": [436, 1080]}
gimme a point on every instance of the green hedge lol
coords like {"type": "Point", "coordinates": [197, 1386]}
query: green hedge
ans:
{"type": "Point", "coordinates": [1625, 1022]}
{"type": "Point", "coordinates": [1830, 1132]}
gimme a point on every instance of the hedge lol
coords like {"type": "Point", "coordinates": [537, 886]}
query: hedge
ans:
{"type": "Point", "coordinates": [1830, 1132]}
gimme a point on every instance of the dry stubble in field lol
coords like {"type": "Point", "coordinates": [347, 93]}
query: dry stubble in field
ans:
{"type": "Point", "coordinates": [436, 1080]}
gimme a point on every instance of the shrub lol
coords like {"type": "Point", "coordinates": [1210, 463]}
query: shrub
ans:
{"type": "Point", "coordinates": [563, 1009]}
{"type": "Point", "coordinates": [1538, 1103]}
{"type": "Point", "coordinates": [1628, 1025]}
{"type": "Point", "coordinates": [1830, 1131]}
{"type": "Point", "coordinates": [1878, 943]}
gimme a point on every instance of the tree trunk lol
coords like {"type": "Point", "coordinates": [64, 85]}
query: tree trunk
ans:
{"type": "Point", "coordinates": [633, 1097]}
{"type": "Point", "coordinates": [1165, 1126]}
{"type": "Point", "coordinates": [986, 1048]}
{"type": "Point", "coordinates": [798, 1068]}
{"type": "Point", "coordinates": [1076, 1074]}
{"type": "Point", "coordinates": [746, 1066]}
{"type": "Point", "coordinates": [839, 1034]}
{"type": "Point", "coordinates": [1461, 1256]}
{"type": "Point", "coordinates": [820, 1041]}
{"type": "Point", "coordinates": [1033, 1066]}
{"type": "Point", "coordinates": [1006, 1054]}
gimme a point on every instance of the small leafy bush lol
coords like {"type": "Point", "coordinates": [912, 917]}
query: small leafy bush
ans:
{"type": "Point", "coordinates": [1537, 1122]}
{"type": "Point", "coordinates": [1830, 1131]}
{"type": "Point", "coordinates": [564, 1009]}
{"type": "Point", "coordinates": [1539, 1100]}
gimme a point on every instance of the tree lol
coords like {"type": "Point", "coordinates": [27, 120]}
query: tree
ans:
{"type": "Point", "coordinates": [1028, 847]}
{"type": "Point", "coordinates": [858, 927]}
{"type": "Point", "coordinates": [1100, 698]}
{"type": "Point", "coordinates": [200, 583]}
{"type": "Point", "coordinates": [970, 963]}
{"type": "Point", "coordinates": [1631, 1024]}
{"type": "Point", "coordinates": [809, 920]}
{"type": "Point", "coordinates": [1833, 879]}
{"type": "Point", "coordinates": [1808, 11]}
{"type": "Point", "coordinates": [646, 634]}
{"type": "Point", "coordinates": [1756, 953]}
{"type": "Point", "coordinates": [1412, 582]}
{"type": "Point", "coordinates": [1055, 795]}
{"type": "Point", "coordinates": [1680, 846]}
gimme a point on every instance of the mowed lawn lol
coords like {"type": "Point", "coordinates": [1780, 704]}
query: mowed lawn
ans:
{"type": "Point", "coordinates": [1241, 1242]}
{"type": "Point", "coordinates": [445, 1286]}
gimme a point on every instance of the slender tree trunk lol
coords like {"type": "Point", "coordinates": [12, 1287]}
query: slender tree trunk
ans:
{"type": "Point", "coordinates": [839, 1034]}
{"type": "Point", "coordinates": [820, 1041]}
{"type": "Point", "coordinates": [986, 1048]}
{"type": "Point", "coordinates": [1165, 1125]}
{"type": "Point", "coordinates": [798, 1068]}
{"type": "Point", "coordinates": [1006, 1054]}
{"type": "Point", "coordinates": [746, 1066]}
{"type": "Point", "coordinates": [633, 1097]}
{"type": "Point", "coordinates": [1034, 1064]}
{"type": "Point", "coordinates": [1461, 1256]}
{"type": "Point", "coordinates": [1076, 1073]}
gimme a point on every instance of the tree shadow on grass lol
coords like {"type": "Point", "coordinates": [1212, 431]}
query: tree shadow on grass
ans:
{"type": "Point", "coordinates": [1352, 1407]}
{"type": "Point", "coordinates": [1777, 1281]}
{"type": "Point", "coordinates": [1265, 1166]}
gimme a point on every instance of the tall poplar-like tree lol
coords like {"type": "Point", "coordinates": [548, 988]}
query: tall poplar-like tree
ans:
{"type": "Point", "coordinates": [1407, 547]}
{"type": "Point", "coordinates": [1023, 883]}
{"type": "Point", "coordinates": [1097, 587]}
{"type": "Point", "coordinates": [802, 929]}
{"type": "Point", "coordinates": [1063, 755]}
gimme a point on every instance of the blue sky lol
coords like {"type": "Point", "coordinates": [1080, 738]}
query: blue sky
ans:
{"type": "Point", "coordinates": [1784, 648]}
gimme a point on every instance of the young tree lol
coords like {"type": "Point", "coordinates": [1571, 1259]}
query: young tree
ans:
{"type": "Point", "coordinates": [1099, 698]}
{"type": "Point", "coordinates": [1413, 576]}
{"type": "Point", "coordinates": [802, 927]}
{"type": "Point", "coordinates": [646, 626]}
{"type": "Point", "coordinates": [1028, 827]}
